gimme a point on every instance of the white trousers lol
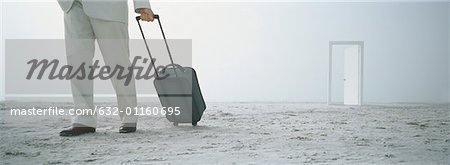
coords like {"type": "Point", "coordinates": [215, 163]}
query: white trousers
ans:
{"type": "Point", "coordinates": [81, 31]}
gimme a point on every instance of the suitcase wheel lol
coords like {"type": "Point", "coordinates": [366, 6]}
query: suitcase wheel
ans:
{"type": "Point", "coordinates": [175, 124]}
{"type": "Point", "coordinates": [194, 123]}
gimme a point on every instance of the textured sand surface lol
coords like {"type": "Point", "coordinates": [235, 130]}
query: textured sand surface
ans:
{"type": "Point", "coordinates": [269, 133]}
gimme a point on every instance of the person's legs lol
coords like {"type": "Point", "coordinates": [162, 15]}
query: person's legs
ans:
{"type": "Point", "coordinates": [80, 49]}
{"type": "Point", "coordinates": [113, 40]}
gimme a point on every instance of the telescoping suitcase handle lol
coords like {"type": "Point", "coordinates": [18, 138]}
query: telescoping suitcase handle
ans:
{"type": "Point", "coordinates": [156, 16]}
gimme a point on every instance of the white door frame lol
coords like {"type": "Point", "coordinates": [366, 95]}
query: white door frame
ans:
{"type": "Point", "coordinates": [361, 66]}
{"type": "Point", "coordinates": [2, 67]}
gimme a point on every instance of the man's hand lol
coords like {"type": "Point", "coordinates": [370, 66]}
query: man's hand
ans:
{"type": "Point", "coordinates": [146, 14]}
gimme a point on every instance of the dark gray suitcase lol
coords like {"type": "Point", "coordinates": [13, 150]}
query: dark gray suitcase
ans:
{"type": "Point", "coordinates": [178, 88]}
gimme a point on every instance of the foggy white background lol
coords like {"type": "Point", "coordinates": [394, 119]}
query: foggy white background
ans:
{"type": "Point", "coordinates": [278, 51]}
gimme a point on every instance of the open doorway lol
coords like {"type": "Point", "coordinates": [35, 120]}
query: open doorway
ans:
{"type": "Point", "coordinates": [345, 72]}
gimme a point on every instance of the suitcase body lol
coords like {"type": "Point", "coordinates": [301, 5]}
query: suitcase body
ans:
{"type": "Point", "coordinates": [180, 91]}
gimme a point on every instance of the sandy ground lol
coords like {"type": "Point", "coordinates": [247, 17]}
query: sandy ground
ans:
{"type": "Point", "coordinates": [241, 133]}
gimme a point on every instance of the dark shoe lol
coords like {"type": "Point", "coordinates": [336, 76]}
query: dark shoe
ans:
{"type": "Point", "coordinates": [127, 129]}
{"type": "Point", "coordinates": [75, 131]}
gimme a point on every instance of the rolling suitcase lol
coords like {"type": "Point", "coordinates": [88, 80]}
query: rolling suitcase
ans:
{"type": "Point", "coordinates": [178, 89]}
